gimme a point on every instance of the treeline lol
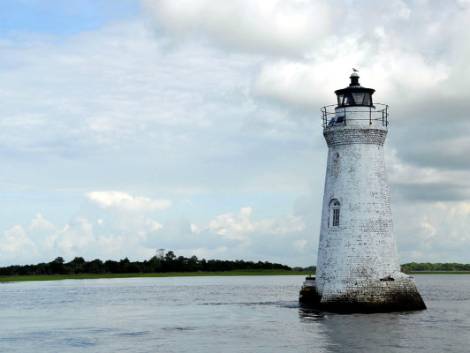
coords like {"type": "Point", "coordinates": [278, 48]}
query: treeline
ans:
{"type": "Point", "coordinates": [168, 262]}
{"type": "Point", "coordinates": [434, 267]}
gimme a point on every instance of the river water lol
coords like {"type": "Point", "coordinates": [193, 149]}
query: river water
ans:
{"type": "Point", "coordinates": [220, 314]}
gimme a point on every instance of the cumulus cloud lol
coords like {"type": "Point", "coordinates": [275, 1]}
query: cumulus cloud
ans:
{"type": "Point", "coordinates": [78, 237]}
{"type": "Point", "coordinates": [73, 238]}
{"type": "Point", "coordinates": [240, 226]}
{"type": "Point", "coordinates": [40, 223]}
{"type": "Point", "coordinates": [236, 235]}
{"type": "Point", "coordinates": [15, 243]}
{"type": "Point", "coordinates": [277, 26]}
{"type": "Point", "coordinates": [310, 82]}
{"type": "Point", "coordinates": [233, 226]}
{"type": "Point", "coordinates": [124, 201]}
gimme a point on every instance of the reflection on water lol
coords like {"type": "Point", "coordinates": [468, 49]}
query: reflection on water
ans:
{"type": "Point", "coordinates": [363, 333]}
{"type": "Point", "coordinates": [307, 314]}
{"type": "Point", "coordinates": [220, 314]}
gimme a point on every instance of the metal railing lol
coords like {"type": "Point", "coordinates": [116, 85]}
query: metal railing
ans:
{"type": "Point", "coordinates": [331, 117]}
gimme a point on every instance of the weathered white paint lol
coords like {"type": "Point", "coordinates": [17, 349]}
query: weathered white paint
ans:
{"type": "Point", "coordinates": [354, 256]}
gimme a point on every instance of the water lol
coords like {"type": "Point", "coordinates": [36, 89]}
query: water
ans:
{"type": "Point", "coordinates": [220, 314]}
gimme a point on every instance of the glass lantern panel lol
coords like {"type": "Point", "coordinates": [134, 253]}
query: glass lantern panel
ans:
{"type": "Point", "coordinates": [340, 99]}
{"type": "Point", "coordinates": [358, 97]}
{"type": "Point", "coordinates": [367, 99]}
{"type": "Point", "coordinates": [348, 100]}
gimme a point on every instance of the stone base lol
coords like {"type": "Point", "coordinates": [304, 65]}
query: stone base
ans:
{"type": "Point", "coordinates": [309, 296]}
{"type": "Point", "coordinates": [370, 296]}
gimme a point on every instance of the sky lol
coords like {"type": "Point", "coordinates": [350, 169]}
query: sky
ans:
{"type": "Point", "coordinates": [194, 125]}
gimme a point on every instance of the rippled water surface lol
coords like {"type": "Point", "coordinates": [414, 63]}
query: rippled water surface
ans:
{"type": "Point", "coordinates": [220, 314]}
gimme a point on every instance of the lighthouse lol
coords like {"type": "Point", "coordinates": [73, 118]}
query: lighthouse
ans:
{"type": "Point", "coordinates": [357, 268]}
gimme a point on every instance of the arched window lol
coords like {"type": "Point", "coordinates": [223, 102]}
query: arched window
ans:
{"type": "Point", "coordinates": [334, 213]}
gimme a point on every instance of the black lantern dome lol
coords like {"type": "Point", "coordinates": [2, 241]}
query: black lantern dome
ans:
{"type": "Point", "coordinates": [355, 94]}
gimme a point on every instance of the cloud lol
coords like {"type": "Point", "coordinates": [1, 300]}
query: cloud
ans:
{"type": "Point", "coordinates": [412, 53]}
{"type": "Point", "coordinates": [235, 235]}
{"type": "Point", "coordinates": [415, 183]}
{"type": "Point", "coordinates": [311, 82]}
{"type": "Point", "coordinates": [301, 244]}
{"type": "Point", "coordinates": [134, 234]}
{"type": "Point", "coordinates": [276, 26]}
{"type": "Point", "coordinates": [15, 243]}
{"type": "Point", "coordinates": [154, 226]}
{"type": "Point", "coordinates": [125, 99]}
{"type": "Point", "coordinates": [123, 201]}
{"type": "Point", "coordinates": [79, 237]}
{"type": "Point", "coordinates": [449, 152]}
{"type": "Point", "coordinates": [40, 223]}
{"type": "Point", "coordinates": [439, 232]}
{"type": "Point", "coordinates": [235, 227]}
{"type": "Point", "coordinates": [420, 191]}
{"type": "Point", "coordinates": [72, 239]}
{"type": "Point", "coordinates": [240, 226]}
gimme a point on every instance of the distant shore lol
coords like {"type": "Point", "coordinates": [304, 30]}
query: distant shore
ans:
{"type": "Point", "coordinates": [26, 278]}
{"type": "Point", "coordinates": [21, 278]}
{"type": "Point", "coordinates": [438, 273]}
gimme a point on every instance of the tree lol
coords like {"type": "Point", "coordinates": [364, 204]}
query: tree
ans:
{"type": "Point", "coordinates": [170, 256]}
{"type": "Point", "coordinates": [57, 266]}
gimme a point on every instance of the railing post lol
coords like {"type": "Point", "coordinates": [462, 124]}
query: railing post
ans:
{"type": "Point", "coordinates": [386, 115]}
{"type": "Point", "coordinates": [370, 115]}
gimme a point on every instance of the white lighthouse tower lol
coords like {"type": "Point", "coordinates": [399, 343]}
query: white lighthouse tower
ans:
{"type": "Point", "coordinates": [358, 268]}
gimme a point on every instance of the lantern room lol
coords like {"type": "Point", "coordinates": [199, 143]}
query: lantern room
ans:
{"type": "Point", "coordinates": [355, 94]}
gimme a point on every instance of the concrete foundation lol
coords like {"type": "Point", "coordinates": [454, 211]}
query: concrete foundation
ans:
{"type": "Point", "coordinates": [369, 296]}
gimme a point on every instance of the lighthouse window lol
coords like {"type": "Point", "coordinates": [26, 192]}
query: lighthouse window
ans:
{"type": "Point", "coordinates": [336, 217]}
{"type": "Point", "coordinates": [334, 213]}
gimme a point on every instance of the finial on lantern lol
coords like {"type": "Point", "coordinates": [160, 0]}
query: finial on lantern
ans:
{"type": "Point", "coordinates": [354, 78]}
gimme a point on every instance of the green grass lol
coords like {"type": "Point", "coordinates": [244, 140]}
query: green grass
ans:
{"type": "Point", "coordinates": [4, 279]}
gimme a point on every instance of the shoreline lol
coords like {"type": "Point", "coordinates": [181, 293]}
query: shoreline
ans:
{"type": "Point", "coordinates": [58, 277]}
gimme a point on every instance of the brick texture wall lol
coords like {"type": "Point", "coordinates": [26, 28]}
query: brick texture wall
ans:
{"type": "Point", "coordinates": [354, 256]}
